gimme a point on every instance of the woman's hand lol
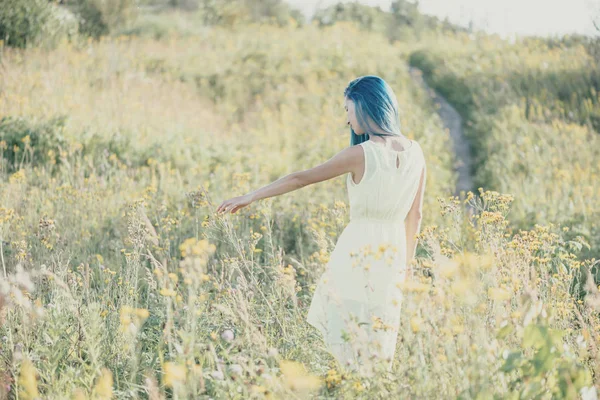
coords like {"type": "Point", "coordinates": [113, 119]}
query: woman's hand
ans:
{"type": "Point", "coordinates": [234, 204]}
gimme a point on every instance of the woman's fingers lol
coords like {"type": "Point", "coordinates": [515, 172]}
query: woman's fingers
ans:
{"type": "Point", "coordinates": [223, 208]}
{"type": "Point", "coordinates": [230, 206]}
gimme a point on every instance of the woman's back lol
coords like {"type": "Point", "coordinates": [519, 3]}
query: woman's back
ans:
{"type": "Point", "coordinates": [389, 184]}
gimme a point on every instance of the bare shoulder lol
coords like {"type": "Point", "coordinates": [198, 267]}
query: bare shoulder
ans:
{"type": "Point", "coordinates": [353, 154]}
{"type": "Point", "coordinates": [356, 155]}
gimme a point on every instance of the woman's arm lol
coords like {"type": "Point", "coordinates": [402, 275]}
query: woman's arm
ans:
{"type": "Point", "coordinates": [412, 222]}
{"type": "Point", "coordinates": [343, 162]}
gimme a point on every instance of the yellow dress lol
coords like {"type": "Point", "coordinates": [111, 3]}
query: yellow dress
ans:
{"type": "Point", "coordinates": [356, 304]}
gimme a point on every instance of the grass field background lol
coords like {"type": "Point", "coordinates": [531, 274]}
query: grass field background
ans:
{"type": "Point", "coordinates": [120, 281]}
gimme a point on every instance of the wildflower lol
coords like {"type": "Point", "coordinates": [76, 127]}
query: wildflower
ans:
{"type": "Point", "coordinates": [27, 379]}
{"type": "Point", "coordinates": [17, 177]}
{"type": "Point", "coordinates": [174, 374]}
{"type": "Point", "coordinates": [193, 247]}
{"type": "Point", "coordinates": [448, 268]}
{"type": "Point", "coordinates": [168, 292]}
{"type": "Point", "coordinates": [357, 386]}
{"type": "Point", "coordinates": [333, 378]}
{"type": "Point", "coordinates": [103, 387]}
{"type": "Point", "coordinates": [498, 294]}
{"type": "Point", "coordinates": [227, 335]}
{"type": "Point", "coordinates": [258, 389]}
{"type": "Point", "coordinates": [415, 324]}
{"type": "Point", "coordinates": [296, 378]}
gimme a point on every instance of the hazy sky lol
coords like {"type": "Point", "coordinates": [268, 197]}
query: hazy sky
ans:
{"type": "Point", "coordinates": [505, 17]}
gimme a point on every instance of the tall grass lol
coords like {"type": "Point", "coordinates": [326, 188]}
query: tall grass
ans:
{"type": "Point", "coordinates": [531, 111]}
{"type": "Point", "coordinates": [119, 280]}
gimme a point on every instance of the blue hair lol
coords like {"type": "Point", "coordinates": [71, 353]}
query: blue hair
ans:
{"type": "Point", "coordinates": [374, 100]}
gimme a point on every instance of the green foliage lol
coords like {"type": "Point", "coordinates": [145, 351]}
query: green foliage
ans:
{"type": "Point", "coordinates": [543, 364]}
{"type": "Point", "coordinates": [101, 17]}
{"type": "Point", "coordinates": [26, 23]}
{"type": "Point", "coordinates": [162, 131]}
{"type": "Point", "coordinates": [35, 142]}
{"type": "Point", "coordinates": [367, 18]}
{"type": "Point", "coordinates": [531, 112]}
{"type": "Point", "coordinates": [407, 23]}
{"type": "Point", "coordinates": [231, 13]}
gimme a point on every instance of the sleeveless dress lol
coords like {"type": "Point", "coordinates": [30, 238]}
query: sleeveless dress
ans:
{"type": "Point", "coordinates": [356, 303]}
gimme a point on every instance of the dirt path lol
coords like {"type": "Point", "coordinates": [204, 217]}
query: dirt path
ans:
{"type": "Point", "coordinates": [453, 121]}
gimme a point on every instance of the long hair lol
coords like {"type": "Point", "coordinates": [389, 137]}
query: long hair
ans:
{"type": "Point", "coordinates": [374, 101]}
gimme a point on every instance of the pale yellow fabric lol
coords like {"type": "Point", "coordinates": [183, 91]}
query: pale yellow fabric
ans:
{"type": "Point", "coordinates": [353, 291]}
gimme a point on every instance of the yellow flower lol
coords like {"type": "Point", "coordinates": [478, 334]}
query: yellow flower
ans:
{"type": "Point", "coordinates": [448, 268]}
{"type": "Point", "coordinates": [27, 380]}
{"type": "Point", "coordinates": [168, 292]}
{"type": "Point", "coordinates": [357, 386]}
{"type": "Point", "coordinates": [296, 378]}
{"type": "Point", "coordinates": [103, 388]}
{"type": "Point", "coordinates": [196, 248]}
{"type": "Point", "coordinates": [415, 324]}
{"type": "Point", "coordinates": [258, 389]}
{"type": "Point", "coordinates": [498, 294]}
{"type": "Point", "coordinates": [333, 378]}
{"type": "Point", "coordinates": [78, 394]}
{"type": "Point", "coordinates": [174, 374]}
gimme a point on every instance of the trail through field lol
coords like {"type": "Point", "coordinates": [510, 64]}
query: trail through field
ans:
{"type": "Point", "coordinates": [453, 122]}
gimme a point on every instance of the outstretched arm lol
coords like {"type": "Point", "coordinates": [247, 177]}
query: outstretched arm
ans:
{"type": "Point", "coordinates": [343, 162]}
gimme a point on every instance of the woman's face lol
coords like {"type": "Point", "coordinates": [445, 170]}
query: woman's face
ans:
{"type": "Point", "coordinates": [351, 117]}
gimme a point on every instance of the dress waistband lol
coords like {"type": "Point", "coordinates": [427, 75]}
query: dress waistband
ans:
{"type": "Point", "coordinates": [377, 220]}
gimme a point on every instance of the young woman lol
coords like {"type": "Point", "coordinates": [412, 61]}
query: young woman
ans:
{"type": "Point", "coordinates": [356, 304]}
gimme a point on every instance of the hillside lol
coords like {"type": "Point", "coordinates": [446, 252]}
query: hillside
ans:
{"type": "Point", "coordinates": [119, 280]}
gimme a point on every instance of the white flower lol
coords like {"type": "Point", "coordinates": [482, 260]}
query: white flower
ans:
{"type": "Point", "coordinates": [227, 335]}
{"type": "Point", "coordinates": [217, 375]}
{"type": "Point", "coordinates": [236, 369]}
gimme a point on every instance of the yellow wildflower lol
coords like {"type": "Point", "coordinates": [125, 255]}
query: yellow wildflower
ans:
{"type": "Point", "coordinates": [28, 380]}
{"type": "Point", "coordinates": [498, 294]}
{"type": "Point", "coordinates": [296, 378]}
{"type": "Point", "coordinates": [103, 388]}
{"type": "Point", "coordinates": [174, 374]}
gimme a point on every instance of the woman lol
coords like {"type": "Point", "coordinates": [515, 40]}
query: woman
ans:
{"type": "Point", "coordinates": [356, 305]}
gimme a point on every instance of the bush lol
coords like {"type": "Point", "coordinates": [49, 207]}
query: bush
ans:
{"type": "Point", "coordinates": [38, 143]}
{"type": "Point", "coordinates": [33, 22]}
{"type": "Point", "coordinates": [101, 17]}
{"type": "Point", "coordinates": [236, 12]}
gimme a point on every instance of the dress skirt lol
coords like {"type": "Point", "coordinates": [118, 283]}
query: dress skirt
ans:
{"type": "Point", "coordinates": [356, 303]}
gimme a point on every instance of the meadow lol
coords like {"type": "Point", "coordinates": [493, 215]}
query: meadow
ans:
{"type": "Point", "coordinates": [120, 281]}
{"type": "Point", "coordinates": [532, 116]}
